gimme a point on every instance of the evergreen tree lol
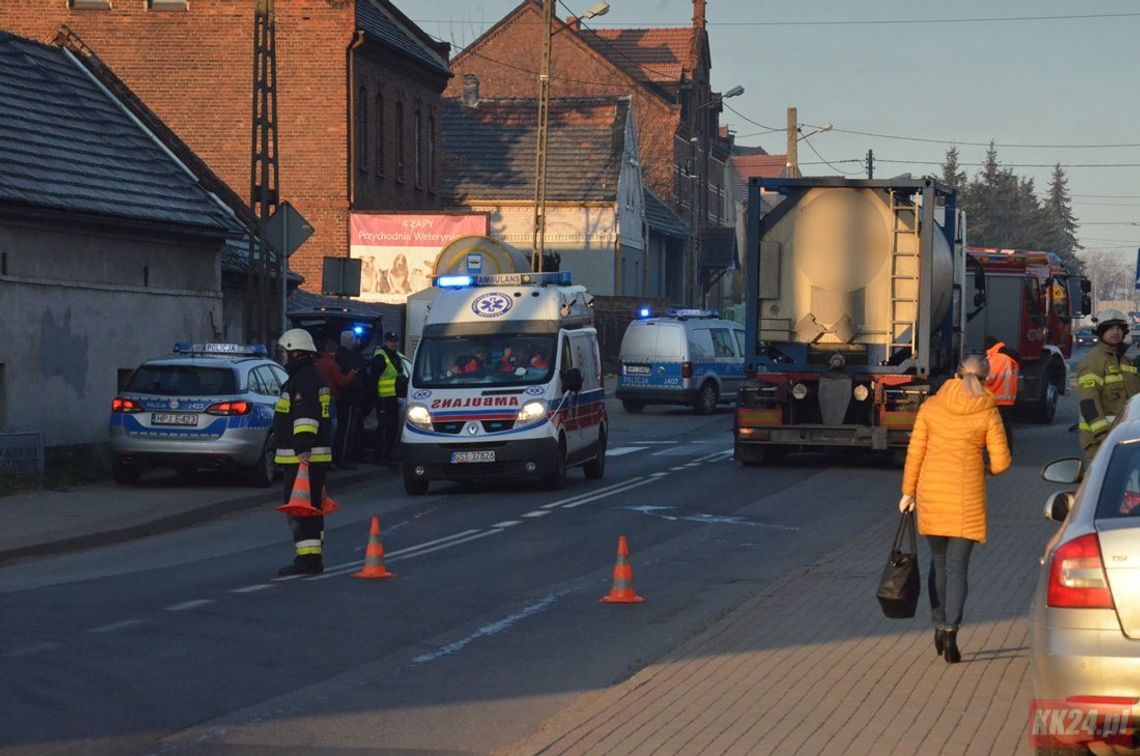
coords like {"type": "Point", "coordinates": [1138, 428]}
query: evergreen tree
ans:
{"type": "Point", "coordinates": [1059, 209]}
{"type": "Point", "coordinates": [952, 173]}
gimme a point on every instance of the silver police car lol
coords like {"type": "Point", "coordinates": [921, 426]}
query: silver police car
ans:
{"type": "Point", "coordinates": [208, 406]}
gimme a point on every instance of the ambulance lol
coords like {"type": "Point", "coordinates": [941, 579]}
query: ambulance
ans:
{"type": "Point", "coordinates": [506, 383]}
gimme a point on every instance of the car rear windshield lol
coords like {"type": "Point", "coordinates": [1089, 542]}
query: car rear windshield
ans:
{"type": "Point", "coordinates": [183, 380]}
{"type": "Point", "coordinates": [649, 341]}
{"type": "Point", "coordinates": [1120, 492]}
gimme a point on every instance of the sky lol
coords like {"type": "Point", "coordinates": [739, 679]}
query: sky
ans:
{"type": "Point", "coordinates": [951, 73]}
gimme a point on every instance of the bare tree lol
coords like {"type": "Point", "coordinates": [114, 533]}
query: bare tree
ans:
{"type": "Point", "coordinates": [1112, 276]}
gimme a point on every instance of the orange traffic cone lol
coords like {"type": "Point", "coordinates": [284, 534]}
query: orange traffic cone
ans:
{"type": "Point", "coordinates": [622, 591]}
{"type": "Point", "coordinates": [300, 502]}
{"type": "Point", "coordinates": [374, 556]}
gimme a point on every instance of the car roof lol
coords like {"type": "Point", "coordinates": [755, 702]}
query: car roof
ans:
{"type": "Point", "coordinates": [211, 361]}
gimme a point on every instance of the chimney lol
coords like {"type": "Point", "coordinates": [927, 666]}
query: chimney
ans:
{"type": "Point", "coordinates": [574, 22]}
{"type": "Point", "coordinates": [698, 14]}
{"type": "Point", "coordinates": [470, 90]}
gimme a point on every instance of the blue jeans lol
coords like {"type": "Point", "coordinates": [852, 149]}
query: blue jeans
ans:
{"type": "Point", "coordinates": [949, 562]}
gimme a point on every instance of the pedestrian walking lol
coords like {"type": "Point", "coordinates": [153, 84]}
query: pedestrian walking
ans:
{"type": "Point", "coordinates": [352, 405]}
{"type": "Point", "coordinates": [387, 367]}
{"type": "Point", "coordinates": [1105, 380]}
{"type": "Point", "coordinates": [1005, 365]}
{"type": "Point", "coordinates": [302, 426]}
{"type": "Point", "coordinates": [944, 477]}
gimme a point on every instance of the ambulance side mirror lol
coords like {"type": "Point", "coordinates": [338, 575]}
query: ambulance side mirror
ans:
{"type": "Point", "coordinates": [572, 380]}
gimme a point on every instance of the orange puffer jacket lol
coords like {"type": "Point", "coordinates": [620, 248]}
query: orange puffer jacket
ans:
{"type": "Point", "coordinates": [944, 469]}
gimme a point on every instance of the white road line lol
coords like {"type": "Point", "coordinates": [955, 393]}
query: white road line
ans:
{"type": "Point", "coordinates": [634, 484]}
{"type": "Point", "coordinates": [618, 451]}
{"type": "Point", "coordinates": [188, 605]}
{"type": "Point", "coordinates": [408, 553]}
{"type": "Point", "coordinates": [656, 442]}
{"type": "Point", "coordinates": [675, 469]}
{"type": "Point", "coordinates": [537, 513]}
{"type": "Point", "coordinates": [491, 629]}
{"type": "Point", "coordinates": [710, 457]}
{"type": "Point", "coordinates": [507, 523]}
{"type": "Point", "coordinates": [563, 502]}
{"type": "Point", "coordinates": [354, 564]}
{"type": "Point", "coordinates": [29, 650]}
{"type": "Point", "coordinates": [115, 626]}
{"type": "Point", "coordinates": [252, 588]}
{"type": "Point", "coordinates": [658, 474]}
{"type": "Point", "coordinates": [475, 537]}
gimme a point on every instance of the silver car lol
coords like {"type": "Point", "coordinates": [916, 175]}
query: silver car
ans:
{"type": "Point", "coordinates": [1085, 633]}
{"type": "Point", "coordinates": [210, 405]}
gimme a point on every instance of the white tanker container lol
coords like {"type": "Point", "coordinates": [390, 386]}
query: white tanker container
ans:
{"type": "Point", "coordinates": [852, 314]}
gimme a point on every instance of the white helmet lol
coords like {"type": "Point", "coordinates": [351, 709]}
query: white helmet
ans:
{"type": "Point", "coordinates": [1107, 318]}
{"type": "Point", "coordinates": [297, 340]}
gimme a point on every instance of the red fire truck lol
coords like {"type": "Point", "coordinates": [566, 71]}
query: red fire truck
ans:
{"type": "Point", "coordinates": [1031, 300]}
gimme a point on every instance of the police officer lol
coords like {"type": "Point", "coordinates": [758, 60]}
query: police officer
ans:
{"type": "Point", "coordinates": [1001, 381]}
{"type": "Point", "coordinates": [302, 425]}
{"type": "Point", "coordinates": [386, 366]}
{"type": "Point", "coordinates": [1105, 381]}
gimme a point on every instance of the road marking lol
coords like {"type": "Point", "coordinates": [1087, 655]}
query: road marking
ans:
{"type": "Point", "coordinates": [634, 484]}
{"type": "Point", "coordinates": [487, 630]}
{"type": "Point", "coordinates": [115, 626]}
{"type": "Point", "coordinates": [507, 523]}
{"type": "Point", "coordinates": [354, 564]}
{"type": "Point", "coordinates": [188, 605]}
{"type": "Point", "coordinates": [407, 553]}
{"type": "Point", "coordinates": [252, 588]}
{"type": "Point", "coordinates": [675, 469]}
{"type": "Point", "coordinates": [537, 513]}
{"type": "Point", "coordinates": [618, 451]}
{"type": "Point", "coordinates": [563, 502]}
{"type": "Point", "coordinates": [29, 650]}
{"type": "Point", "coordinates": [421, 552]}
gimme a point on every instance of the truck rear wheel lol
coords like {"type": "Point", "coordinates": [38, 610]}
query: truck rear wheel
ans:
{"type": "Point", "coordinates": [1047, 407]}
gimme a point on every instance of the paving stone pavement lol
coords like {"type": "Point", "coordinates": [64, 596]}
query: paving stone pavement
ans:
{"type": "Point", "coordinates": [810, 665]}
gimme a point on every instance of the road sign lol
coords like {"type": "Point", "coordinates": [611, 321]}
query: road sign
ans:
{"type": "Point", "coordinates": [287, 229]}
{"type": "Point", "coordinates": [341, 277]}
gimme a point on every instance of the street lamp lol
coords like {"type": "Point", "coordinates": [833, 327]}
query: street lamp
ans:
{"type": "Point", "coordinates": [541, 132]}
{"type": "Point", "coordinates": [823, 128]}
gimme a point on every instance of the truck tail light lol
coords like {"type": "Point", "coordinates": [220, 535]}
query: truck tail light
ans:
{"type": "Point", "coordinates": [1076, 576]}
{"type": "Point", "coordinates": [119, 404]}
{"type": "Point", "coordinates": [686, 370]}
{"type": "Point", "coordinates": [229, 408]}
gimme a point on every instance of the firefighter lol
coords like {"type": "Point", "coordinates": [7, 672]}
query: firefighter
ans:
{"type": "Point", "coordinates": [1105, 380]}
{"type": "Point", "coordinates": [387, 367]}
{"type": "Point", "coordinates": [1002, 381]}
{"type": "Point", "coordinates": [302, 426]}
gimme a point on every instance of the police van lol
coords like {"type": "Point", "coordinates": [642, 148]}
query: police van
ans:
{"type": "Point", "coordinates": [689, 357]}
{"type": "Point", "coordinates": [506, 383]}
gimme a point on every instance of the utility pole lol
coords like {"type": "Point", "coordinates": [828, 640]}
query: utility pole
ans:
{"type": "Point", "coordinates": [264, 168]}
{"type": "Point", "coordinates": [870, 164]}
{"type": "Point", "coordinates": [793, 166]}
{"type": "Point", "coordinates": [541, 134]}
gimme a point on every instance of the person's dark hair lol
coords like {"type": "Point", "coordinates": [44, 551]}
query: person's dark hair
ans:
{"type": "Point", "coordinates": [328, 345]}
{"type": "Point", "coordinates": [391, 336]}
{"type": "Point", "coordinates": [989, 342]}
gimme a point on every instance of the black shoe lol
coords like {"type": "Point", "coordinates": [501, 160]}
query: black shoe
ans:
{"type": "Point", "coordinates": [938, 641]}
{"type": "Point", "coordinates": [950, 646]}
{"type": "Point", "coordinates": [301, 568]}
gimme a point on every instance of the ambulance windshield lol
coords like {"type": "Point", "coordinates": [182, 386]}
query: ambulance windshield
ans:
{"type": "Point", "coordinates": [484, 360]}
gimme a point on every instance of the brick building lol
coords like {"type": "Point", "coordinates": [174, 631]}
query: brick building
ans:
{"type": "Point", "coordinates": [358, 100]}
{"type": "Point", "coordinates": [665, 71]}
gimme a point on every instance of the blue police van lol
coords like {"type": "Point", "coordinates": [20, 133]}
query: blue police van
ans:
{"type": "Point", "coordinates": [687, 357]}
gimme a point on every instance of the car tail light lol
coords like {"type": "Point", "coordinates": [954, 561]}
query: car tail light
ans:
{"type": "Point", "coordinates": [1076, 576]}
{"type": "Point", "coordinates": [686, 370]}
{"type": "Point", "coordinates": [229, 408]}
{"type": "Point", "coordinates": [119, 404]}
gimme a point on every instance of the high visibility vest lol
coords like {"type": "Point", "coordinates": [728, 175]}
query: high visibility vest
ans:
{"type": "Point", "coordinates": [1002, 379]}
{"type": "Point", "coordinates": [386, 384]}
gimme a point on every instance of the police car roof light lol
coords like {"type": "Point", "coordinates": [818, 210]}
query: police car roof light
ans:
{"type": "Point", "coordinates": [689, 312]}
{"type": "Point", "coordinates": [644, 312]}
{"type": "Point", "coordinates": [358, 330]}
{"type": "Point", "coordinates": [221, 350]}
{"type": "Point", "coordinates": [453, 282]}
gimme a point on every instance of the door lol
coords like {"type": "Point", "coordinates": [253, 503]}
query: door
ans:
{"type": "Point", "coordinates": [571, 400]}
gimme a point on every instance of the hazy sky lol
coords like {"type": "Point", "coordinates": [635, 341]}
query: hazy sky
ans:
{"type": "Point", "coordinates": [1031, 81]}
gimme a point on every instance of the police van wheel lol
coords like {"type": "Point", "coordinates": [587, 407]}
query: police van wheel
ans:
{"type": "Point", "coordinates": [632, 407]}
{"type": "Point", "coordinates": [595, 469]}
{"type": "Point", "coordinates": [557, 479]}
{"type": "Point", "coordinates": [415, 487]}
{"type": "Point", "coordinates": [124, 475]}
{"type": "Point", "coordinates": [706, 400]}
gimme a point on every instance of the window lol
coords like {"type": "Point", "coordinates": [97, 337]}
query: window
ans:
{"type": "Point", "coordinates": [123, 377]}
{"type": "Point", "coordinates": [89, 4]}
{"type": "Point", "coordinates": [417, 148]}
{"type": "Point", "coordinates": [362, 129]}
{"type": "Point", "coordinates": [168, 5]}
{"type": "Point", "coordinates": [379, 135]}
{"type": "Point", "coordinates": [400, 142]}
{"type": "Point", "coordinates": [431, 154]}
{"type": "Point", "coordinates": [722, 343]}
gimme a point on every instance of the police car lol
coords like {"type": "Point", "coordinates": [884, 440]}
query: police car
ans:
{"type": "Point", "coordinates": [207, 406]}
{"type": "Point", "coordinates": [689, 357]}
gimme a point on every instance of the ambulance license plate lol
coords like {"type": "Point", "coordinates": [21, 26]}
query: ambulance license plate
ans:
{"type": "Point", "coordinates": [482, 455]}
{"type": "Point", "coordinates": [173, 418]}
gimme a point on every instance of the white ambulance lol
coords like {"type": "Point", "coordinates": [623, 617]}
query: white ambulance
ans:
{"type": "Point", "coordinates": [507, 383]}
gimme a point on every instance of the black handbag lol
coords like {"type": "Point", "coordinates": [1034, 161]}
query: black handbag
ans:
{"type": "Point", "coordinates": [899, 586]}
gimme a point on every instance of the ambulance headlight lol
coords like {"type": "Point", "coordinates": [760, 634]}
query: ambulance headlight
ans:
{"type": "Point", "coordinates": [530, 412]}
{"type": "Point", "coordinates": [419, 417]}
{"type": "Point", "coordinates": [799, 391]}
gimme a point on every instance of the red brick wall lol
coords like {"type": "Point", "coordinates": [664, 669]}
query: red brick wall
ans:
{"type": "Point", "coordinates": [505, 60]}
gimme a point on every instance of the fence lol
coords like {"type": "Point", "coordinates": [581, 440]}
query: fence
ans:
{"type": "Point", "coordinates": [21, 455]}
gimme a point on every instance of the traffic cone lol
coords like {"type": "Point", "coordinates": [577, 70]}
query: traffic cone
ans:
{"type": "Point", "coordinates": [622, 591]}
{"type": "Point", "coordinates": [374, 556]}
{"type": "Point", "coordinates": [300, 502]}
{"type": "Point", "coordinates": [328, 506]}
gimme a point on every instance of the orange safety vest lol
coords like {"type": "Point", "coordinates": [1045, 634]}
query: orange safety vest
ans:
{"type": "Point", "coordinates": [1002, 380]}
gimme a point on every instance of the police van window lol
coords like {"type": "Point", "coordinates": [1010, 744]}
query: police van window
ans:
{"type": "Point", "coordinates": [670, 342]}
{"type": "Point", "coordinates": [739, 341]}
{"type": "Point", "coordinates": [486, 360]}
{"type": "Point", "coordinates": [700, 343]}
{"type": "Point", "coordinates": [722, 342]}
{"type": "Point", "coordinates": [183, 380]}
{"type": "Point", "coordinates": [640, 340]}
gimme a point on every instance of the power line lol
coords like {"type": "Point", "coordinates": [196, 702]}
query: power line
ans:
{"type": "Point", "coordinates": [1018, 165]}
{"type": "Point", "coordinates": [622, 53]}
{"type": "Point", "coordinates": [955, 142]}
{"type": "Point", "coordinates": [857, 22]}
{"type": "Point", "coordinates": [807, 141]}
{"type": "Point", "coordinates": [770, 129]}
{"type": "Point", "coordinates": [1108, 196]}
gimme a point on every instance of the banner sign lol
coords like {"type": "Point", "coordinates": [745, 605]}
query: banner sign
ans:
{"type": "Point", "coordinates": [398, 251]}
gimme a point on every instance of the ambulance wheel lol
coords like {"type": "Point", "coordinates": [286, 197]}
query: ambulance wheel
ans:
{"type": "Point", "coordinates": [124, 475]}
{"type": "Point", "coordinates": [595, 469]}
{"type": "Point", "coordinates": [632, 407]}
{"type": "Point", "coordinates": [263, 473]}
{"type": "Point", "coordinates": [557, 479]}
{"type": "Point", "coordinates": [706, 399]}
{"type": "Point", "coordinates": [414, 486]}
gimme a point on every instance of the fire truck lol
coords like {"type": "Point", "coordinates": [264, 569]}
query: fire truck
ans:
{"type": "Point", "coordinates": [1031, 301]}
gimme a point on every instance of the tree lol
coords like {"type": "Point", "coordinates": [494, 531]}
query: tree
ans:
{"type": "Point", "coordinates": [952, 173]}
{"type": "Point", "coordinates": [1112, 276]}
{"type": "Point", "coordinates": [1059, 211]}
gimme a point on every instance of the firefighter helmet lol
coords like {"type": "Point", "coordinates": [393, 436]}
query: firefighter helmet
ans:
{"type": "Point", "coordinates": [1108, 318]}
{"type": "Point", "coordinates": [297, 340]}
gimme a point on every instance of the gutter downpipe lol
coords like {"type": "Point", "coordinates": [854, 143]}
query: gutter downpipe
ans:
{"type": "Point", "coordinates": [357, 41]}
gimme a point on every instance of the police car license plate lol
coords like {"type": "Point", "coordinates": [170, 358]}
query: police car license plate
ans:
{"type": "Point", "coordinates": [637, 369]}
{"type": "Point", "coordinates": [173, 418]}
{"type": "Point", "coordinates": [482, 455]}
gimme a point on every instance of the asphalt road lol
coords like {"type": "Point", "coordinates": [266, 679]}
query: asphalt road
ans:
{"type": "Point", "coordinates": [186, 641]}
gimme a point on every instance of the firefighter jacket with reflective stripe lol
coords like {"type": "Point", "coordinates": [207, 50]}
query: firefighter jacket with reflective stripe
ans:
{"type": "Point", "coordinates": [303, 420]}
{"type": "Point", "coordinates": [1002, 378]}
{"type": "Point", "coordinates": [386, 375]}
{"type": "Point", "coordinates": [1105, 383]}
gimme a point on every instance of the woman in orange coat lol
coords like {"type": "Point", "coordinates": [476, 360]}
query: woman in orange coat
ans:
{"type": "Point", "coordinates": [945, 476]}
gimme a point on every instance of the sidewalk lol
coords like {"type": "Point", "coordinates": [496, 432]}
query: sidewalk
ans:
{"type": "Point", "coordinates": [810, 665]}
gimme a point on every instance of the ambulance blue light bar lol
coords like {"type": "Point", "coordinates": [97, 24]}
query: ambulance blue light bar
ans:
{"type": "Point", "coordinates": [221, 350]}
{"type": "Point", "coordinates": [453, 282]}
{"type": "Point", "coordinates": [689, 312]}
{"type": "Point", "coordinates": [558, 278]}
